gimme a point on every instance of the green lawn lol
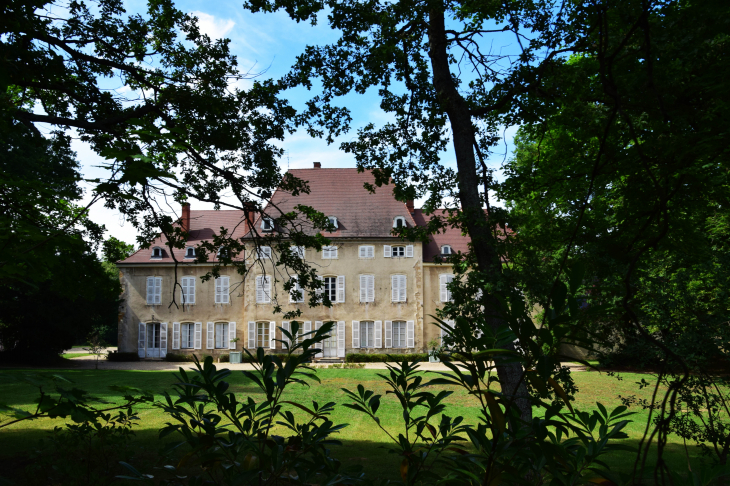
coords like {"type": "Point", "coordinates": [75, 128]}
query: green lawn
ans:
{"type": "Point", "coordinates": [77, 355]}
{"type": "Point", "coordinates": [362, 443]}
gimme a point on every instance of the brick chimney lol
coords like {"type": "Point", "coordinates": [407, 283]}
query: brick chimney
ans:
{"type": "Point", "coordinates": [185, 219]}
{"type": "Point", "coordinates": [317, 165]}
{"type": "Point", "coordinates": [409, 206]}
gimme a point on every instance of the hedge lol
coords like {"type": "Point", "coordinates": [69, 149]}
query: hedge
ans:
{"type": "Point", "coordinates": [384, 358]}
{"type": "Point", "coordinates": [116, 356]}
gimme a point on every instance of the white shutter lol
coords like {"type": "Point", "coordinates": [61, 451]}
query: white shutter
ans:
{"type": "Point", "coordinates": [307, 328]}
{"type": "Point", "coordinates": [378, 334]}
{"type": "Point", "coordinates": [340, 288]}
{"type": "Point", "coordinates": [163, 339]}
{"type": "Point", "coordinates": [386, 251]}
{"type": "Point", "coordinates": [191, 290]}
{"type": "Point", "coordinates": [409, 251]}
{"type": "Point", "coordinates": [394, 281]}
{"type": "Point", "coordinates": [317, 325]}
{"type": "Point", "coordinates": [371, 288]}
{"type": "Point", "coordinates": [158, 290]}
{"type": "Point", "coordinates": [402, 294]}
{"type": "Point", "coordinates": [444, 293]}
{"type": "Point", "coordinates": [285, 326]}
{"type": "Point", "coordinates": [362, 252]}
{"type": "Point", "coordinates": [371, 252]}
{"type": "Point", "coordinates": [231, 335]}
{"type": "Point", "coordinates": [356, 334]}
{"type": "Point", "coordinates": [175, 335]}
{"type": "Point", "coordinates": [184, 291]}
{"type": "Point", "coordinates": [388, 334]}
{"type": "Point", "coordinates": [363, 288]}
{"type": "Point", "coordinates": [294, 279]}
{"type": "Point", "coordinates": [142, 344]}
{"type": "Point", "coordinates": [259, 290]}
{"type": "Point", "coordinates": [210, 336]}
{"type": "Point", "coordinates": [150, 290]}
{"type": "Point", "coordinates": [198, 335]}
{"type": "Point", "coordinates": [272, 335]}
{"type": "Point", "coordinates": [218, 292]}
{"type": "Point", "coordinates": [251, 335]}
{"type": "Point", "coordinates": [340, 339]}
{"type": "Point", "coordinates": [410, 334]}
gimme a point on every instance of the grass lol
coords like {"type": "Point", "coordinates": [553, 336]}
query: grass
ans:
{"type": "Point", "coordinates": [362, 441]}
{"type": "Point", "coordinates": [76, 355]}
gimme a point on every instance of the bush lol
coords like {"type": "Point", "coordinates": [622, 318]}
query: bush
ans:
{"type": "Point", "coordinates": [117, 356]}
{"type": "Point", "coordinates": [384, 358]}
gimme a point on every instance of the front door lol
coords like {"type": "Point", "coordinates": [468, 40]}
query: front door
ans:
{"type": "Point", "coordinates": [152, 340]}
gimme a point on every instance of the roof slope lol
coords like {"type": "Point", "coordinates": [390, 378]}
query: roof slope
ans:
{"type": "Point", "coordinates": [452, 236]}
{"type": "Point", "coordinates": [341, 193]}
{"type": "Point", "coordinates": [203, 224]}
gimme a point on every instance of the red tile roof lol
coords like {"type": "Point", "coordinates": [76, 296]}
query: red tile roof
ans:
{"type": "Point", "coordinates": [341, 193]}
{"type": "Point", "coordinates": [203, 224]}
{"type": "Point", "coordinates": [452, 236]}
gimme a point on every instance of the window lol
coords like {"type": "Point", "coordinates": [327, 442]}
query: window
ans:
{"type": "Point", "coordinates": [399, 334]}
{"type": "Point", "coordinates": [329, 252]}
{"type": "Point", "coordinates": [399, 222]}
{"type": "Point", "coordinates": [190, 252]}
{"type": "Point", "coordinates": [366, 251]}
{"type": "Point", "coordinates": [222, 252]}
{"type": "Point", "coordinates": [157, 252]}
{"type": "Point", "coordinates": [330, 288]}
{"type": "Point", "coordinates": [444, 281]}
{"type": "Point", "coordinates": [295, 298]}
{"type": "Point", "coordinates": [262, 334]}
{"type": "Point", "coordinates": [398, 251]}
{"type": "Point", "coordinates": [222, 285]}
{"type": "Point", "coordinates": [267, 224]}
{"type": "Point", "coordinates": [298, 251]}
{"type": "Point", "coordinates": [264, 252]}
{"type": "Point", "coordinates": [446, 250]}
{"type": "Point", "coordinates": [187, 335]}
{"type": "Point", "coordinates": [367, 288]}
{"type": "Point", "coordinates": [263, 289]}
{"type": "Point", "coordinates": [367, 334]}
{"type": "Point", "coordinates": [187, 293]}
{"type": "Point", "coordinates": [398, 288]}
{"type": "Point", "coordinates": [154, 290]}
{"type": "Point", "coordinates": [333, 221]}
{"type": "Point", "coordinates": [222, 340]}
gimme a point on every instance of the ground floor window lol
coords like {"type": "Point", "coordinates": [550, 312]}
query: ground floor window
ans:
{"type": "Point", "coordinates": [187, 335]}
{"type": "Point", "coordinates": [399, 334]}
{"type": "Point", "coordinates": [262, 335]}
{"type": "Point", "coordinates": [367, 334]}
{"type": "Point", "coordinates": [221, 335]}
{"type": "Point", "coordinates": [153, 335]}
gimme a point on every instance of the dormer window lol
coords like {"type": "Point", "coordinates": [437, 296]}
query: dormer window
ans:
{"type": "Point", "coordinates": [222, 252]}
{"type": "Point", "coordinates": [157, 252]}
{"type": "Point", "coordinates": [190, 252]}
{"type": "Point", "coordinates": [267, 224]}
{"type": "Point", "coordinates": [399, 222]}
{"type": "Point", "coordinates": [333, 221]}
{"type": "Point", "coordinates": [446, 250]}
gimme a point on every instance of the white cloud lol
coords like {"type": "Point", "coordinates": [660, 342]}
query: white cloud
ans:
{"type": "Point", "coordinates": [215, 28]}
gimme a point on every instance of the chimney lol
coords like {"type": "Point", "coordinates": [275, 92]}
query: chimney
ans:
{"type": "Point", "coordinates": [317, 165]}
{"type": "Point", "coordinates": [409, 206]}
{"type": "Point", "coordinates": [185, 220]}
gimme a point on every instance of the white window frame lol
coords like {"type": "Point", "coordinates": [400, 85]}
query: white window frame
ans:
{"type": "Point", "coordinates": [267, 224]}
{"type": "Point", "coordinates": [298, 250]}
{"type": "Point", "coordinates": [263, 334]}
{"type": "Point", "coordinates": [367, 334]}
{"type": "Point", "coordinates": [333, 221]}
{"type": "Point", "coordinates": [222, 335]}
{"type": "Point", "coordinates": [398, 343]}
{"type": "Point", "coordinates": [398, 288]}
{"type": "Point", "coordinates": [399, 218]}
{"type": "Point", "coordinates": [191, 335]}
{"type": "Point", "coordinates": [188, 250]}
{"type": "Point", "coordinates": [366, 251]}
{"type": "Point", "coordinates": [156, 257]}
{"type": "Point", "coordinates": [264, 252]}
{"type": "Point", "coordinates": [444, 247]}
{"type": "Point", "coordinates": [332, 289]}
{"type": "Point", "coordinates": [444, 291]}
{"type": "Point", "coordinates": [397, 249]}
{"type": "Point", "coordinates": [263, 289]}
{"type": "Point", "coordinates": [329, 252]}
{"type": "Point", "coordinates": [367, 288]}
{"type": "Point", "coordinates": [296, 287]}
{"type": "Point", "coordinates": [222, 290]}
{"type": "Point", "coordinates": [156, 295]}
{"type": "Point", "coordinates": [187, 290]}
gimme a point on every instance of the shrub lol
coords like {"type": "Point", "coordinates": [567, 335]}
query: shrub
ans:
{"type": "Point", "coordinates": [117, 356]}
{"type": "Point", "coordinates": [384, 358]}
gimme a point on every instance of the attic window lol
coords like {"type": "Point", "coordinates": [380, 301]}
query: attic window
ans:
{"type": "Point", "coordinates": [190, 252]}
{"type": "Point", "coordinates": [446, 250]}
{"type": "Point", "coordinates": [222, 252]}
{"type": "Point", "coordinates": [157, 252]}
{"type": "Point", "coordinates": [333, 221]}
{"type": "Point", "coordinates": [267, 224]}
{"type": "Point", "coordinates": [399, 222]}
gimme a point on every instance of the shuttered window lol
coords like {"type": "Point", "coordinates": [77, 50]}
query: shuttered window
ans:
{"type": "Point", "coordinates": [262, 334]}
{"type": "Point", "coordinates": [367, 288]}
{"type": "Point", "coordinates": [296, 295]}
{"type": "Point", "coordinates": [222, 286]}
{"type": "Point", "coordinates": [263, 289]}
{"type": "Point", "coordinates": [398, 288]}
{"type": "Point", "coordinates": [399, 334]}
{"type": "Point", "coordinates": [329, 252]}
{"type": "Point", "coordinates": [221, 335]}
{"type": "Point", "coordinates": [187, 335]}
{"type": "Point", "coordinates": [187, 293]}
{"type": "Point", "coordinates": [264, 252]}
{"type": "Point", "coordinates": [366, 251]}
{"type": "Point", "coordinates": [367, 334]}
{"type": "Point", "coordinates": [154, 290]}
{"type": "Point", "coordinates": [444, 281]}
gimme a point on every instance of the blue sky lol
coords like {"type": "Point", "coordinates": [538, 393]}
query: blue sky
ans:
{"type": "Point", "coordinates": [270, 43]}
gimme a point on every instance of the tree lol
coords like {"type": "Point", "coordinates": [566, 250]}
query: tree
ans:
{"type": "Point", "coordinates": [115, 250]}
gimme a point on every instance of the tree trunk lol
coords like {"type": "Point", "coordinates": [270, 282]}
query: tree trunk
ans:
{"type": "Point", "coordinates": [481, 237]}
